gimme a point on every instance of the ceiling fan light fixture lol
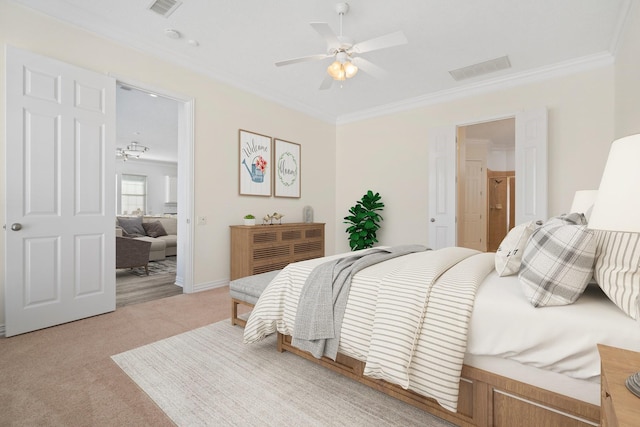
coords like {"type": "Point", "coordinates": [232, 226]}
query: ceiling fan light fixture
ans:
{"type": "Point", "coordinates": [342, 71]}
{"type": "Point", "coordinates": [350, 69]}
{"type": "Point", "coordinates": [336, 71]}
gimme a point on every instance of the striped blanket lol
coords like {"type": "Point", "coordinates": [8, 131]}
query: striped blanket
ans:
{"type": "Point", "coordinates": [406, 318]}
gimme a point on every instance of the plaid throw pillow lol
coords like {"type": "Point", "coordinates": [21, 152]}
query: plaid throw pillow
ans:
{"type": "Point", "coordinates": [557, 263]}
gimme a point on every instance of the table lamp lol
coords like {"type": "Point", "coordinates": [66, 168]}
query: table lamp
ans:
{"type": "Point", "coordinates": [617, 206]}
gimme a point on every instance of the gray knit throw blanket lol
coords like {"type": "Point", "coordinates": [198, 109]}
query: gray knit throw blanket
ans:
{"type": "Point", "coordinates": [324, 296]}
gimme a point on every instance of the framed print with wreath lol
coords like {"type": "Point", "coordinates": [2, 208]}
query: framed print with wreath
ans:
{"type": "Point", "coordinates": [254, 168]}
{"type": "Point", "coordinates": [287, 168]}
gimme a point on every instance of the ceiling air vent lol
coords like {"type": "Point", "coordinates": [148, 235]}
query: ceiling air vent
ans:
{"type": "Point", "coordinates": [164, 7]}
{"type": "Point", "coordinates": [481, 68]}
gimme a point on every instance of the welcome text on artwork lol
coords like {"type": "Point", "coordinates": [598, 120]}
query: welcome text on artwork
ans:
{"type": "Point", "coordinates": [252, 148]}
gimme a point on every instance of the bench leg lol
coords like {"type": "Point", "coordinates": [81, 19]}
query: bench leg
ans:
{"type": "Point", "coordinates": [235, 320]}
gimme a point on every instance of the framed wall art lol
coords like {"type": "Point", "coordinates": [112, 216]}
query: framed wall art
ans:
{"type": "Point", "coordinates": [287, 169]}
{"type": "Point", "coordinates": [255, 164]}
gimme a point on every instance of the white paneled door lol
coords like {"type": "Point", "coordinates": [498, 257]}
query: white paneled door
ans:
{"type": "Point", "coordinates": [530, 169]}
{"type": "Point", "coordinates": [60, 235]}
{"type": "Point", "coordinates": [531, 166]}
{"type": "Point", "coordinates": [442, 187]}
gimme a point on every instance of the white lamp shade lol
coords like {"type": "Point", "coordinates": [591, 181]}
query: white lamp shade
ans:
{"type": "Point", "coordinates": [617, 206]}
{"type": "Point", "coordinates": [583, 202]}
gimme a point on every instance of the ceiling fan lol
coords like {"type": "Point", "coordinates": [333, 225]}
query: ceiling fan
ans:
{"type": "Point", "coordinates": [346, 54]}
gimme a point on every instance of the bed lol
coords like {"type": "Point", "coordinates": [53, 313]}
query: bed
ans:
{"type": "Point", "coordinates": [509, 363]}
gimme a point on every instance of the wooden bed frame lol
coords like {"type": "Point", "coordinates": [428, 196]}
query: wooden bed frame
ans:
{"type": "Point", "coordinates": [485, 399]}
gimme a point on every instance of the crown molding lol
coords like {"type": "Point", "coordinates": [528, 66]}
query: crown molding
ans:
{"type": "Point", "coordinates": [544, 73]}
{"type": "Point", "coordinates": [556, 70]}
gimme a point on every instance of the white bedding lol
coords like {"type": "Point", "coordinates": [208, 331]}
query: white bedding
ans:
{"type": "Point", "coordinates": [503, 324]}
{"type": "Point", "coordinates": [561, 339]}
{"type": "Point", "coordinates": [406, 318]}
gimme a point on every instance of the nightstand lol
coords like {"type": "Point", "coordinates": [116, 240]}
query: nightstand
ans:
{"type": "Point", "coordinates": [619, 407]}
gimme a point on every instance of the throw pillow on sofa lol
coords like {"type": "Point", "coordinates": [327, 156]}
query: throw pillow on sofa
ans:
{"type": "Point", "coordinates": [132, 226]}
{"type": "Point", "coordinates": [154, 229]}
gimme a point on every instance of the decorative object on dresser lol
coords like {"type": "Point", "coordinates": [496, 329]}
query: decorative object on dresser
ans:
{"type": "Point", "coordinates": [254, 164]}
{"type": "Point", "coordinates": [257, 250]}
{"type": "Point", "coordinates": [618, 407]}
{"type": "Point", "coordinates": [249, 219]}
{"type": "Point", "coordinates": [268, 219]}
{"type": "Point", "coordinates": [287, 169]}
{"type": "Point", "coordinates": [307, 214]}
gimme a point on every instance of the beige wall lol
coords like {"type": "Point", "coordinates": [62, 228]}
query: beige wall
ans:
{"type": "Point", "coordinates": [386, 154]}
{"type": "Point", "coordinates": [220, 110]}
{"type": "Point", "coordinates": [627, 77]}
{"type": "Point", "coordinates": [389, 154]}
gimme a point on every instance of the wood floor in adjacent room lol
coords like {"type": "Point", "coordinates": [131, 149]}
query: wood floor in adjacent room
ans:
{"type": "Point", "coordinates": [64, 375]}
{"type": "Point", "coordinates": [132, 289]}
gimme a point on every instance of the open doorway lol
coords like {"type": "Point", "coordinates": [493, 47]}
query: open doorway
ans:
{"type": "Point", "coordinates": [148, 166]}
{"type": "Point", "coordinates": [486, 183]}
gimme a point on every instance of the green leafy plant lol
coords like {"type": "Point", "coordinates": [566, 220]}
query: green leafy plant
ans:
{"type": "Point", "coordinates": [364, 221]}
{"type": "Point", "coordinates": [249, 216]}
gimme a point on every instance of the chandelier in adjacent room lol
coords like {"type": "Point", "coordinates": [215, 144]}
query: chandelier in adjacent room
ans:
{"type": "Point", "coordinates": [132, 151]}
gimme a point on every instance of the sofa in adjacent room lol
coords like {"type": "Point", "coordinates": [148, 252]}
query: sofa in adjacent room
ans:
{"type": "Point", "coordinates": [161, 232]}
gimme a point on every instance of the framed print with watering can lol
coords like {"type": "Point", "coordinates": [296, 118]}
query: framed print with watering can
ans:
{"type": "Point", "coordinates": [255, 164]}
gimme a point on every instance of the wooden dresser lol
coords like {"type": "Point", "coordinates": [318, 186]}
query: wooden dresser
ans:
{"type": "Point", "coordinates": [619, 407]}
{"type": "Point", "coordinates": [260, 248]}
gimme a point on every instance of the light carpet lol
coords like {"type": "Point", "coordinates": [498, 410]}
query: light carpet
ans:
{"type": "Point", "coordinates": [207, 376]}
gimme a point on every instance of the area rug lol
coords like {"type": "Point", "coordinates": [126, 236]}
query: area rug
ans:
{"type": "Point", "coordinates": [208, 377]}
{"type": "Point", "coordinates": [165, 266]}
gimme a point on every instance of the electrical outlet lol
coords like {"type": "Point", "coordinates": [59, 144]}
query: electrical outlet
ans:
{"type": "Point", "coordinates": [202, 220]}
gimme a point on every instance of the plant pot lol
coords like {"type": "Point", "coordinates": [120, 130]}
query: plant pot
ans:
{"type": "Point", "coordinates": [251, 221]}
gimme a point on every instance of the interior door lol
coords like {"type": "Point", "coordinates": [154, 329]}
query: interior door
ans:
{"type": "Point", "coordinates": [442, 187]}
{"type": "Point", "coordinates": [531, 173]}
{"type": "Point", "coordinates": [473, 216]}
{"type": "Point", "coordinates": [531, 166]}
{"type": "Point", "coordinates": [60, 234]}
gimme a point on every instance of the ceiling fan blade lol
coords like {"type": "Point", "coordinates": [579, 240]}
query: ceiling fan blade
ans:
{"type": "Point", "coordinates": [302, 59]}
{"type": "Point", "coordinates": [327, 82]}
{"type": "Point", "coordinates": [325, 31]}
{"type": "Point", "coordinates": [382, 42]}
{"type": "Point", "coordinates": [369, 68]}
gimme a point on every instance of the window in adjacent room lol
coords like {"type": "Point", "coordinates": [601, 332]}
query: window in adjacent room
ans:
{"type": "Point", "coordinates": [133, 190]}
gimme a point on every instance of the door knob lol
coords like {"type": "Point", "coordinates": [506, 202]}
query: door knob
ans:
{"type": "Point", "coordinates": [433, 220]}
{"type": "Point", "coordinates": [16, 226]}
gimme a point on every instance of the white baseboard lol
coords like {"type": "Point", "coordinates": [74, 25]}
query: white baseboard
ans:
{"type": "Point", "coordinates": [199, 287]}
{"type": "Point", "coordinates": [2, 330]}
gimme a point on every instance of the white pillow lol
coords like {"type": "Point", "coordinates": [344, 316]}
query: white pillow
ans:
{"type": "Point", "coordinates": [509, 253]}
{"type": "Point", "coordinates": [617, 269]}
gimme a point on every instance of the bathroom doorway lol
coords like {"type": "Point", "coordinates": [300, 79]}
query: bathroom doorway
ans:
{"type": "Point", "coordinates": [486, 183]}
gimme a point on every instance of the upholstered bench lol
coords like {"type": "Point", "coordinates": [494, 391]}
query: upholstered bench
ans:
{"type": "Point", "coordinates": [246, 291]}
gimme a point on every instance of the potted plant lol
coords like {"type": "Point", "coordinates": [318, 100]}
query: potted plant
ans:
{"type": "Point", "coordinates": [249, 219]}
{"type": "Point", "coordinates": [364, 221]}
